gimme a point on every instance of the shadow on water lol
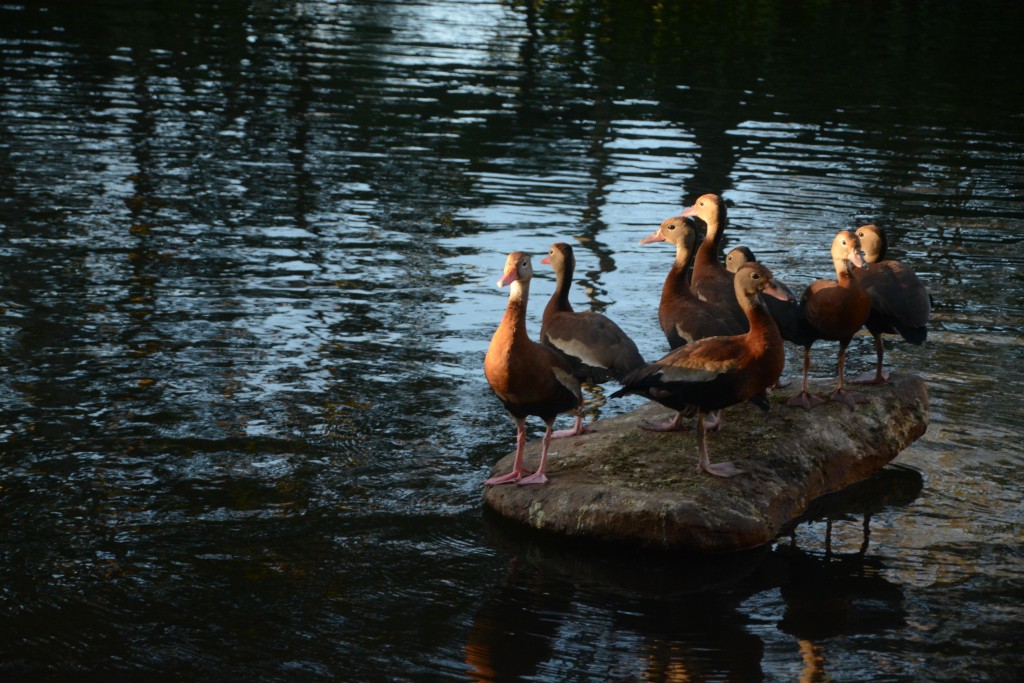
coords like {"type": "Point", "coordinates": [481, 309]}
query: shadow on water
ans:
{"type": "Point", "coordinates": [684, 612]}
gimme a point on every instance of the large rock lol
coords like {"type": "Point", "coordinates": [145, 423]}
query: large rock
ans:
{"type": "Point", "coordinates": [623, 484]}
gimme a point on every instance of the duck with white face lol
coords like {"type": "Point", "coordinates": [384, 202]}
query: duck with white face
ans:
{"type": "Point", "coordinates": [834, 310]}
{"type": "Point", "coordinates": [528, 378]}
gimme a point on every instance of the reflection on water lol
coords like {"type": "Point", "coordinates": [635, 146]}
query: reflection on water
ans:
{"type": "Point", "coordinates": [247, 255]}
{"type": "Point", "coordinates": [648, 617]}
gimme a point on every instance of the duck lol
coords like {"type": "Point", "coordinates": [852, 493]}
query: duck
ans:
{"type": "Point", "coordinates": [737, 256]}
{"type": "Point", "coordinates": [717, 372]}
{"type": "Point", "coordinates": [786, 313]}
{"type": "Point", "coordinates": [900, 302]}
{"type": "Point", "coordinates": [684, 317]}
{"type": "Point", "coordinates": [596, 348]}
{"type": "Point", "coordinates": [834, 310]}
{"type": "Point", "coordinates": [710, 279]}
{"type": "Point", "coordinates": [527, 377]}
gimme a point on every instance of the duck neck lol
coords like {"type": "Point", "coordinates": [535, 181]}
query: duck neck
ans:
{"type": "Point", "coordinates": [843, 274]}
{"type": "Point", "coordinates": [515, 312]}
{"type": "Point", "coordinates": [763, 328]}
{"type": "Point", "coordinates": [559, 301]}
{"type": "Point", "coordinates": [677, 283]}
{"type": "Point", "coordinates": [707, 254]}
{"type": "Point", "coordinates": [880, 250]}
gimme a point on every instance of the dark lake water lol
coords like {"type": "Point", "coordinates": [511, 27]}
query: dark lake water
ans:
{"type": "Point", "coordinates": [247, 264]}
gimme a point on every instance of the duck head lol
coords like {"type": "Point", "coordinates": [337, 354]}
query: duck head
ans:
{"type": "Point", "coordinates": [517, 269]}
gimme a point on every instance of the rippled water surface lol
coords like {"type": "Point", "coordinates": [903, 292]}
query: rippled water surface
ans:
{"type": "Point", "coordinates": [247, 265]}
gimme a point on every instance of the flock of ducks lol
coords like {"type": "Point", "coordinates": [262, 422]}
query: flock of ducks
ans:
{"type": "Point", "coordinates": [726, 324]}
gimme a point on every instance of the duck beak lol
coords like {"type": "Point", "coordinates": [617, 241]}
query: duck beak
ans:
{"type": "Point", "coordinates": [772, 289]}
{"type": "Point", "coordinates": [655, 236]}
{"type": "Point", "coordinates": [508, 278]}
{"type": "Point", "coordinates": [546, 259]}
{"type": "Point", "coordinates": [858, 260]}
{"type": "Point", "coordinates": [692, 211]}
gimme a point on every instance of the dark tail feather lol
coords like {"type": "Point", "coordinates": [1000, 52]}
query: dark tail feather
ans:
{"type": "Point", "coordinates": [914, 335]}
{"type": "Point", "coordinates": [761, 401]}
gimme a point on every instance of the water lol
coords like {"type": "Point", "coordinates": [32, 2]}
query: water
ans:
{"type": "Point", "coordinates": [247, 266]}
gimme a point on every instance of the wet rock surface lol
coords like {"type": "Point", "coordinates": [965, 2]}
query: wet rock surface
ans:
{"type": "Point", "coordinates": [623, 484]}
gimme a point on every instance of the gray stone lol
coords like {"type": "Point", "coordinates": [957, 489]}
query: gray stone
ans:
{"type": "Point", "coordinates": [622, 484]}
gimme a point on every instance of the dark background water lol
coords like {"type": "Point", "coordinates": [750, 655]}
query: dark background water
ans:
{"type": "Point", "coordinates": [247, 265]}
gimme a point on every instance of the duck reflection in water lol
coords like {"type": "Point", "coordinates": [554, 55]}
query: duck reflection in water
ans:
{"type": "Point", "coordinates": [568, 612]}
{"type": "Point", "coordinates": [546, 619]}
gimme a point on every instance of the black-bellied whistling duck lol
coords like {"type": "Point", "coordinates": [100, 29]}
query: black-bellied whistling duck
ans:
{"type": "Point", "coordinates": [785, 312]}
{"type": "Point", "coordinates": [716, 372]}
{"type": "Point", "coordinates": [834, 310]}
{"type": "Point", "coordinates": [737, 256]}
{"type": "Point", "coordinates": [685, 317]}
{"type": "Point", "coordinates": [710, 280]}
{"type": "Point", "coordinates": [899, 300]}
{"type": "Point", "coordinates": [529, 378]}
{"type": "Point", "coordinates": [597, 349]}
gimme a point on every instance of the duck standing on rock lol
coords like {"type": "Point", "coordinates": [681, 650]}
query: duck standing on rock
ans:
{"type": "Point", "coordinates": [717, 372]}
{"type": "Point", "coordinates": [528, 378]}
{"type": "Point", "coordinates": [710, 279]}
{"type": "Point", "coordinates": [834, 310]}
{"type": "Point", "coordinates": [786, 313]}
{"type": "Point", "coordinates": [685, 317]}
{"type": "Point", "coordinates": [596, 348]}
{"type": "Point", "coordinates": [899, 300]}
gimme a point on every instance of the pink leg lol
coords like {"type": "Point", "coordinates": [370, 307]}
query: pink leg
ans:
{"type": "Point", "coordinates": [840, 393]}
{"type": "Point", "coordinates": [517, 466]}
{"type": "Point", "coordinates": [577, 428]}
{"type": "Point", "coordinates": [804, 399]}
{"type": "Point", "coordinates": [716, 423]}
{"type": "Point", "coordinates": [539, 477]}
{"type": "Point", "coordinates": [676, 423]}
{"type": "Point", "coordinates": [722, 469]}
{"type": "Point", "coordinates": [878, 376]}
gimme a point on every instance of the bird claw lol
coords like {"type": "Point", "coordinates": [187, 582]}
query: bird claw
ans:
{"type": "Point", "coordinates": [513, 477]}
{"type": "Point", "coordinates": [720, 469]}
{"type": "Point", "coordinates": [676, 423]}
{"type": "Point", "coordinates": [715, 424]}
{"type": "Point", "coordinates": [535, 478]}
{"type": "Point", "coordinates": [572, 431]}
{"type": "Point", "coordinates": [804, 400]}
{"type": "Point", "coordinates": [848, 398]}
{"type": "Point", "coordinates": [870, 378]}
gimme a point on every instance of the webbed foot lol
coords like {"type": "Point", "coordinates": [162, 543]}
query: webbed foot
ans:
{"type": "Point", "coordinates": [676, 423]}
{"type": "Point", "coordinates": [510, 478]}
{"type": "Point", "coordinates": [804, 400]}
{"type": "Point", "coordinates": [848, 398]}
{"type": "Point", "coordinates": [535, 478]}
{"type": "Point", "coordinates": [871, 378]}
{"type": "Point", "coordinates": [720, 469]}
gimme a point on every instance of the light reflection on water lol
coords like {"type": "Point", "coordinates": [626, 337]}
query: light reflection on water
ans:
{"type": "Point", "coordinates": [247, 274]}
